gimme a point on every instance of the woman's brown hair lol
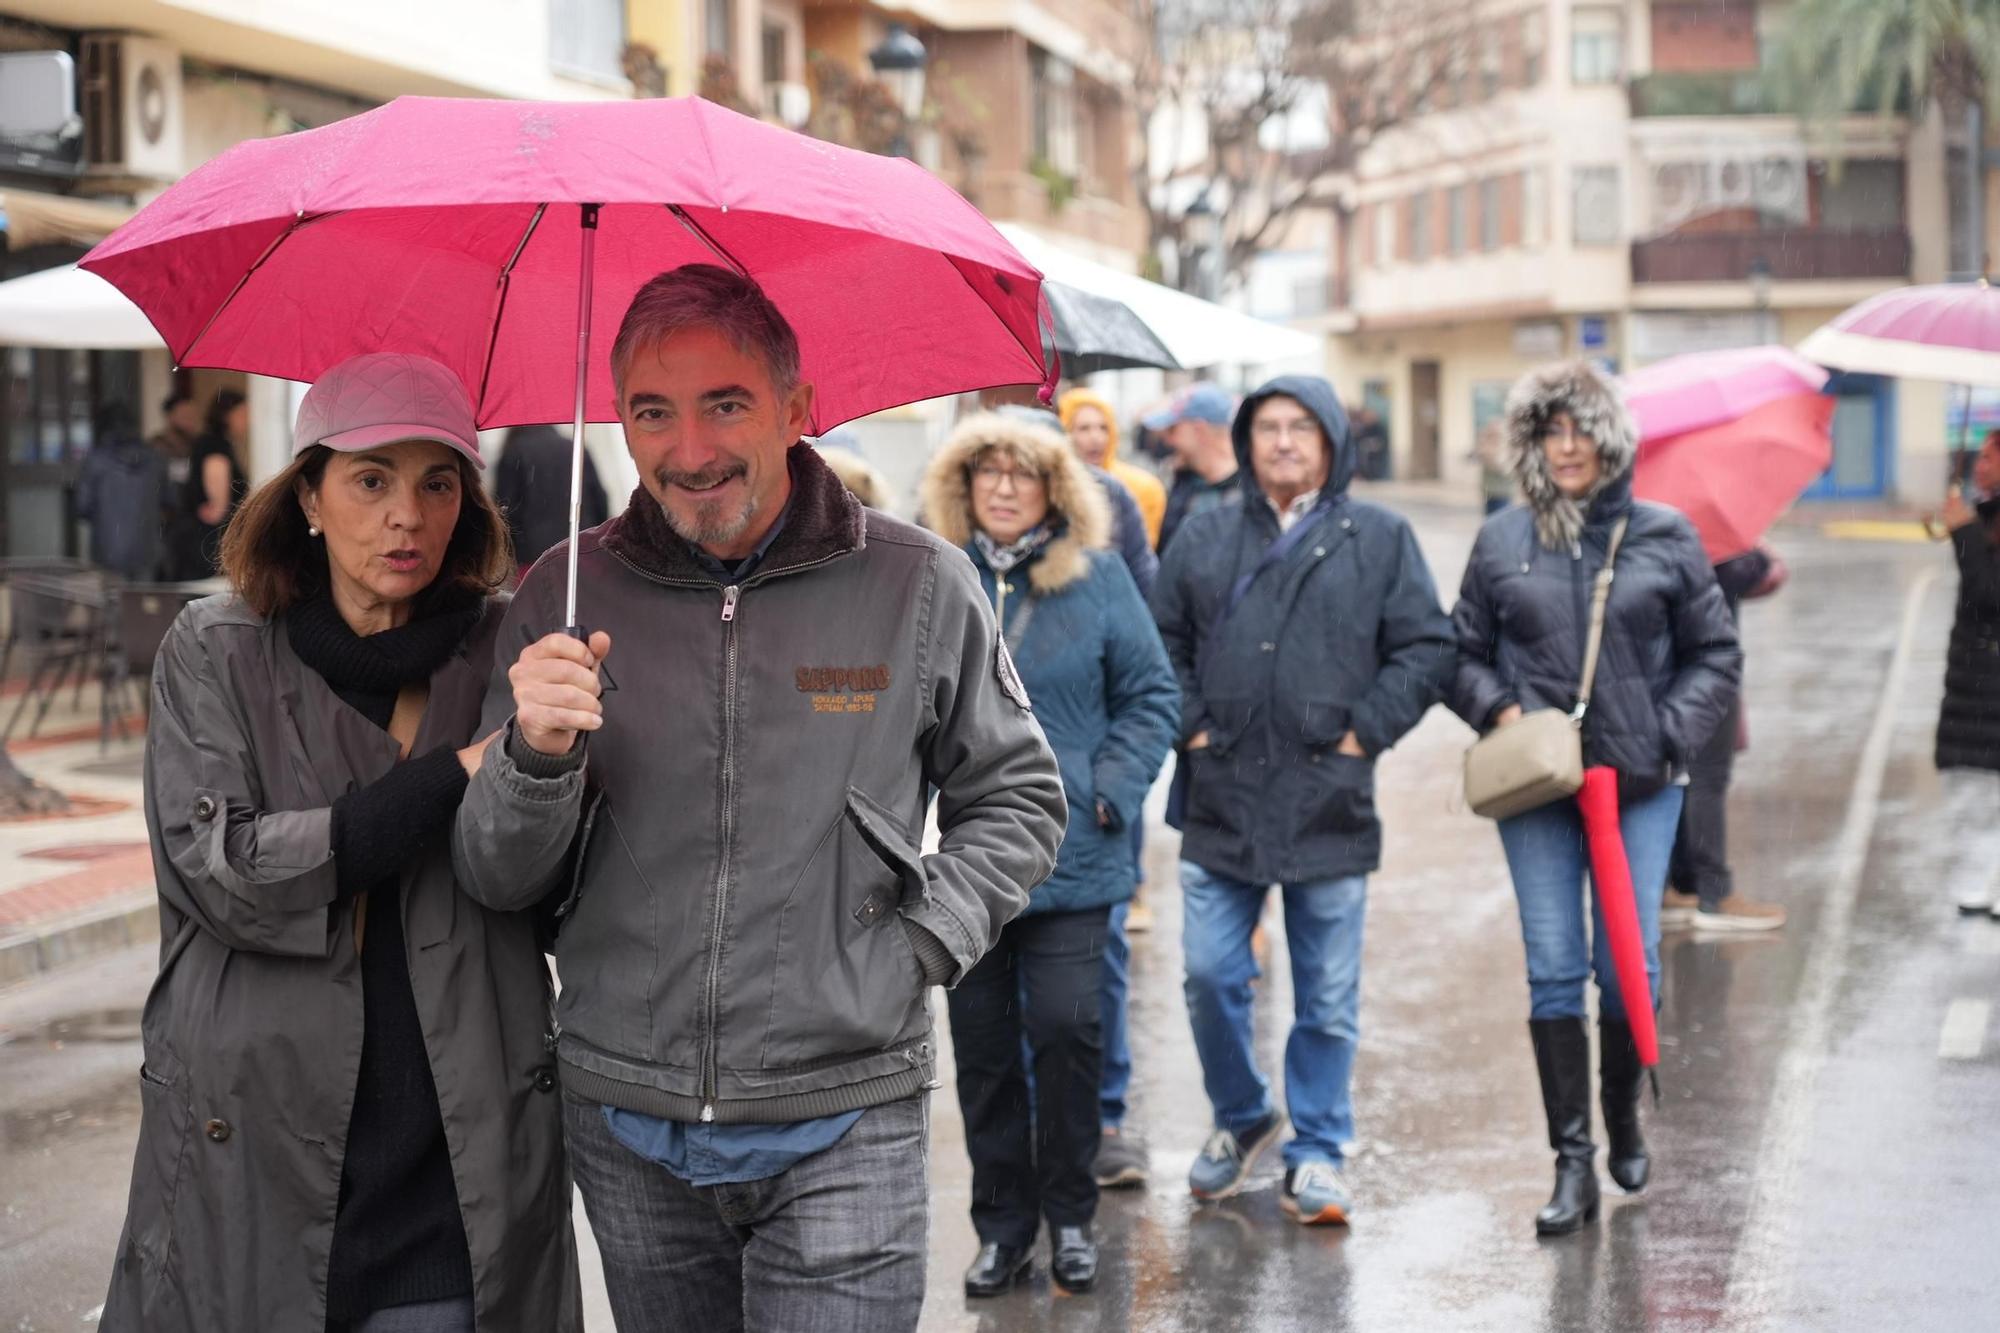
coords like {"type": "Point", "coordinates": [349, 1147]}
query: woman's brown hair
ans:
{"type": "Point", "coordinates": [274, 564]}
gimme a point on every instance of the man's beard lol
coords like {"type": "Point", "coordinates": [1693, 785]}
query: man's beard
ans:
{"type": "Point", "coordinates": [714, 522]}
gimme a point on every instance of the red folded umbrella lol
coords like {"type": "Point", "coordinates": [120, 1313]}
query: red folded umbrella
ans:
{"type": "Point", "coordinates": [1611, 880]}
{"type": "Point", "coordinates": [1734, 480]}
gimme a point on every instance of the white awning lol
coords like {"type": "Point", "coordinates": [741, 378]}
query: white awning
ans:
{"type": "Point", "coordinates": [70, 307]}
{"type": "Point", "coordinates": [1198, 333]}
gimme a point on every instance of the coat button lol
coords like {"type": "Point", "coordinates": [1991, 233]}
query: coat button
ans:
{"type": "Point", "coordinates": [1267, 647]}
{"type": "Point", "coordinates": [545, 1080]}
{"type": "Point", "coordinates": [204, 807]}
{"type": "Point", "coordinates": [1346, 524]}
{"type": "Point", "coordinates": [1319, 551]}
{"type": "Point", "coordinates": [218, 1130]}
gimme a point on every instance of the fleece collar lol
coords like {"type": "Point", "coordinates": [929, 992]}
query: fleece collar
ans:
{"type": "Point", "coordinates": [824, 521]}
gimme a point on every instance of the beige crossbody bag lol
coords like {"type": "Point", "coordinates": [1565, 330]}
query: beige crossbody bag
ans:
{"type": "Point", "coordinates": [1539, 759]}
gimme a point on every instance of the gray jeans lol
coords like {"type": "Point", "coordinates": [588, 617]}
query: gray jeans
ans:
{"type": "Point", "coordinates": [837, 1244]}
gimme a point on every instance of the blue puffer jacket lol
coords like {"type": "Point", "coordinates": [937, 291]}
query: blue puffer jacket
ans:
{"type": "Point", "coordinates": [1086, 648]}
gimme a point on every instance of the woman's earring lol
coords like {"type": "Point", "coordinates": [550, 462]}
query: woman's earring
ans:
{"type": "Point", "coordinates": [312, 530]}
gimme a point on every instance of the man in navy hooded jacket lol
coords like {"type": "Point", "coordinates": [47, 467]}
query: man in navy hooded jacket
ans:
{"type": "Point", "coordinates": [1308, 638]}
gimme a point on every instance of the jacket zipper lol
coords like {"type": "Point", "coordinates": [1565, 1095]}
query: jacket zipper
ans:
{"type": "Point", "coordinates": [732, 596]}
{"type": "Point", "coordinates": [1002, 588]}
{"type": "Point", "coordinates": [711, 1056]}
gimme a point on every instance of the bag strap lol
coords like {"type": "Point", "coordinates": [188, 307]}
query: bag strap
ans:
{"type": "Point", "coordinates": [1600, 596]}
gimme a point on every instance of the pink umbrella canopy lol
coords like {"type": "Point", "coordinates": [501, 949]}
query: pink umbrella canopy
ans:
{"type": "Point", "coordinates": [456, 228]}
{"type": "Point", "coordinates": [1949, 332]}
{"type": "Point", "coordinates": [1684, 393]}
{"type": "Point", "coordinates": [1735, 479]}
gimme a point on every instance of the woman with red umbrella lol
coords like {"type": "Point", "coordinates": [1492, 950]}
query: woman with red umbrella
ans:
{"type": "Point", "coordinates": [1666, 671]}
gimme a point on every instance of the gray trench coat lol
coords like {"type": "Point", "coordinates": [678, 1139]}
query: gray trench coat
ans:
{"type": "Point", "coordinates": [252, 1031]}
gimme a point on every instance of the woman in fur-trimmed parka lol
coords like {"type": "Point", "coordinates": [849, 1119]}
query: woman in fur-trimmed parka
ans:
{"type": "Point", "coordinates": [1665, 677]}
{"type": "Point", "coordinates": [1037, 526]}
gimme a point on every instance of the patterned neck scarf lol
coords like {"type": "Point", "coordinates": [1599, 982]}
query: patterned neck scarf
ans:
{"type": "Point", "coordinates": [1002, 559]}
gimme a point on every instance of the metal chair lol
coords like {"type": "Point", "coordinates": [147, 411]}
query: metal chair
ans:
{"type": "Point", "coordinates": [142, 613]}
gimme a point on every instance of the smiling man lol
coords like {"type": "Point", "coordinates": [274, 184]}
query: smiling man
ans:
{"type": "Point", "coordinates": [748, 925]}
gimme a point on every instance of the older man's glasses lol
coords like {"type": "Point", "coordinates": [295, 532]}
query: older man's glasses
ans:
{"type": "Point", "coordinates": [1303, 429]}
{"type": "Point", "coordinates": [992, 476]}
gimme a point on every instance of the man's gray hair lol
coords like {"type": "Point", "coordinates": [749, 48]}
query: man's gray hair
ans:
{"type": "Point", "coordinates": [710, 297]}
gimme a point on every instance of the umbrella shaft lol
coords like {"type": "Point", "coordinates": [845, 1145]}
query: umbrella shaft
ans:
{"type": "Point", "coordinates": [585, 282]}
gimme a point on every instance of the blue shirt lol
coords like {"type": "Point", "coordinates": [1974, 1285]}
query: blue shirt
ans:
{"type": "Point", "coordinates": [725, 1154]}
{"type": "Point", "coordinates": [703, 1154]}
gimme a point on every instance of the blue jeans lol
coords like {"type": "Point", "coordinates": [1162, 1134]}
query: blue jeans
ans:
{"type": "Point", "coordinates": [1323, 934]}
{"type": "Point", "coordinates": [1114, 1002]}
{"type": "Point", "coordinates": [1548, 858]}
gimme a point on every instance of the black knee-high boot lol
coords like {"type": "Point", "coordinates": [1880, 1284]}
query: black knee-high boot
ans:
{"type": "Point", "coordinates": [1562, 1059]}
{"type": "Point", "coordinates": [1621, 1077]}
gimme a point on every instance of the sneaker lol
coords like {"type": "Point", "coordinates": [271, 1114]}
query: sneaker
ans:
{"type": "Point", "coordinates": [1226, 1161]}
{"type": "Point", "coordinates": [1973, 903]}
{"type": "Point", "coordinates": [1677, 910]}
{"type": "Point", "coordinates": [1316, 1195]}
{"type": "Point", "coordinates": [1737, 913]}
{"type": "Point", "coordinates": [1121, 1161]}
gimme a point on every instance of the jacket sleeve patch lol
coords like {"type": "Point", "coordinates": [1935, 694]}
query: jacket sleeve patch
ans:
{"type": "Point", "coordinates": [1010, 679]}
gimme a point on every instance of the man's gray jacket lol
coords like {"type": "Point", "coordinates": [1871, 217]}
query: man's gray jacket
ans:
{"type": "Point", "coordinates": [747, 922]}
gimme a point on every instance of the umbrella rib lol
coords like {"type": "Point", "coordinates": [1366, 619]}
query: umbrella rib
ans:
{"type": "Point", "coordinates": [696, 230]}
{"type": "Point", "coordinates": [500, 303]}
{"type": "Point", "coordinates": [301, 220]}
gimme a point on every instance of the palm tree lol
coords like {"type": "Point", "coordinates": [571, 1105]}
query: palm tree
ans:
{"type": "Point", "coordinates": [1843, 55]}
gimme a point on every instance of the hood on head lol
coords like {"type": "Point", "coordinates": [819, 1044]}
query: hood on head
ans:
{"type": "Point", "coordinates": [1317, 397]}
{"type": "Point", "coordinates": [1594, 402]}
{"type": "Point", "coordinates": [1077, 503]}
{"type": "Point", "coordinates": [1068, 404]}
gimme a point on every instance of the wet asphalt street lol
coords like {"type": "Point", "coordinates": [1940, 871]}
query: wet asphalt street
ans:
{"type": "Point", "coordinates": [1825, 1157]}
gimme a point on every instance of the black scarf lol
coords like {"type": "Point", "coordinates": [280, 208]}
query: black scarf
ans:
{"type": "Point", "coordinates": [378, 663]}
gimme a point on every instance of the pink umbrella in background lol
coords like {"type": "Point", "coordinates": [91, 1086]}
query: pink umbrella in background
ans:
{"type": "Point", "coordinates": [1731, 439]}
{"type": "Point", "coordinates": [505, 239]}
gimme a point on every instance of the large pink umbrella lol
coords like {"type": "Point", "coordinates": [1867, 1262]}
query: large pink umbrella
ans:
{"type": "Point", "coordinates": [505, 239]}
{"type": "Point", "coordinates": [1949, 332]}
{"type": "Point", "coordinates": [1701, 389]}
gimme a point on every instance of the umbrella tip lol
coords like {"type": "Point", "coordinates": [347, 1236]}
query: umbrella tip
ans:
{"type": "Point", "coordinates": [1653, 1074]}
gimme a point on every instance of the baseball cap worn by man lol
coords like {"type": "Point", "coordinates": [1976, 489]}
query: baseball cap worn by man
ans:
{"type": "Point", "coordinates": [383, 398]}
{"type": "Point", "coordinates": [1205, 401]}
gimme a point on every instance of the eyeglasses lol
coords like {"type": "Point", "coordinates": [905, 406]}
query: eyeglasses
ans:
{"type": "Point", "coordinates": [1304, 430]}
{"type": "Point", "coordinates": [990, 475]}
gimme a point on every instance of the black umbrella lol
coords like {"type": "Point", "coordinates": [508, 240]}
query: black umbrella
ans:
{"type": "Point", "coordinates": [1096, 333]}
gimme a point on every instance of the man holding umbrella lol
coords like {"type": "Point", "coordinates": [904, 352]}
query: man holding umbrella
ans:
{"type": "Point", "coordinates": [747, 923]}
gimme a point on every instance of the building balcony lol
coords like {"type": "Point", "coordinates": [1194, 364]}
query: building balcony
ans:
{"type": "Point", "coordinates": [1729, 93]}
{"type": "Point", "coordinates": [1793, 254]}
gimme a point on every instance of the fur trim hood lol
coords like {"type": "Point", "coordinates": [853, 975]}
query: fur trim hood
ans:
{"type": "Point", "coordinates": [1076, 501]}
{"type": "Point", "coordinates": [1597, 406]}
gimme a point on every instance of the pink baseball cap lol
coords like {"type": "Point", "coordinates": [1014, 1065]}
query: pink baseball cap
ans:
{"type": "Point", "coordinates": [382, 398]}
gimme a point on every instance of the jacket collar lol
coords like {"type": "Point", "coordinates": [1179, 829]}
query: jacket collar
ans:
{"type": "Point", "coordinates": [824, 522]}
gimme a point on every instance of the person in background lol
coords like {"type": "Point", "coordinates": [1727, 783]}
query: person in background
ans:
{"type": "Point", "coordinates": [1035, 523]}
{"type": "Point", "coordinates": [1308, 638]}
{"type": "Point", "coordinates": [348, 1118]}
{"type": "Point", "coordinates": [858, 475]}
{"type": "Point", "coordinates": [1093, 433]}
{"type": "Point", "coordinates": [1702, 890]}
{"type": "Point", "coordinates": [174, 441]}
{"type": "Point", "coordinates": [1128, 525]}
{"type": "Point", "coordinates": [1371, 443]}
{"type": "Point", "coordinates": [216, 484]}
{"type": "Point", "coordinates": [1196, 427]}
{"type": "Point", "coordinates": [1668, 667]}
{"type": "Point", "coordinates": [1968, 731]}
{"type": "Point", "coordinates": [531, 484]}
{"type": "Point", "coordinates": [1496, 473]}
{"type": "Point", "coordinates": [121, 492]}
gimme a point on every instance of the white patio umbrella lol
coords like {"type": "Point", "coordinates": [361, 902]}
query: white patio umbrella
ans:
{"type": "Point", "coordinates": [1197, 332]}
{"type": "Point", "coordinates": [69, 307]}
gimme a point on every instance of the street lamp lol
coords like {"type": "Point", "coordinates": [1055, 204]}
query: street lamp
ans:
{"type": "Point", "coordinates": [1760, 296]}
{"type": "Point", "coordinates": [899, 65]}
{"type": "Point", "coordinates": [1204, 233]}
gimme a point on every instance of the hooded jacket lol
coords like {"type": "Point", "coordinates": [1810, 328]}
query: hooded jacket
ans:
{"type": "Point", "coordinates": [1086, 647]}
{"type": "Point", "coordinates": [1968, 734]}
{"type": "Point", "coordinates": [746, 890]}
{"type": "Point", "coordinates": [1344, 633]}
{"type": "Point", "coordinates": [1670, 663]}
{"type": "Point", "coordinates": [531, 485]}
{"type": "Point", "coordinates": [253, 1031]}
{"type": "Point", "coordinates": [122, 492]}
{"type": "Point", "coordinates": [1147, 490]}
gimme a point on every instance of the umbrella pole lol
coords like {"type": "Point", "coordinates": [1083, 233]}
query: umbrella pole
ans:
{"type": "Point", "coordinates": [585, 282]}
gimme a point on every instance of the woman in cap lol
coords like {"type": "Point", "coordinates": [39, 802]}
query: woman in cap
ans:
{"type": "Point", "coordinates": [349, 1117]}
{"type": "Point", "coordinates": [1036, 525]}
{"type": "Point", "coordinates": [1666, 674]}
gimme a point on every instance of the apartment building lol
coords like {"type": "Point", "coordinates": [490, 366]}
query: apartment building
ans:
{"type": "Point", "coordinates": [1621, 181]}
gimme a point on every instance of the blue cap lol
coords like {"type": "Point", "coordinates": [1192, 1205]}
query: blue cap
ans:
{"type": "Point", "coordinates": [1205, 401]}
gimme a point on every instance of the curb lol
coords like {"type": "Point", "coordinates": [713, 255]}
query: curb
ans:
{"type": "Point", "coordinates": [132, 919]}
